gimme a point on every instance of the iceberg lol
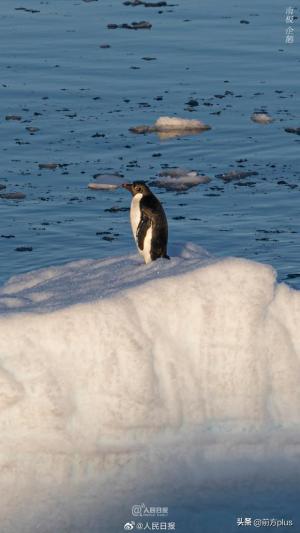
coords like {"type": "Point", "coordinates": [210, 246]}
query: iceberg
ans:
{"type": "Point", "coordinates": [169, 127]}
{"type": "Point", "coordinates": [173, 384]}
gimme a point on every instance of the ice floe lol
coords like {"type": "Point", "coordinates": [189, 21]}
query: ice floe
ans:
{"type": "Point", "coordinates": [174, 383]}
{"type": "Point", "coordinates": [261, 118]}
{"type": "Point", "coordinates": [179, 179]}
{"type": "Point", "coordinates": [168, 127]}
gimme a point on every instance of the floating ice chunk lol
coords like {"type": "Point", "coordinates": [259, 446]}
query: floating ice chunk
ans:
{"type": "Point", "coordinates": [293, 130]}
{"type": "Point", "coordinates": [236, 175]}
{"type": "Point", "coordinates": [142, 129]}
{"type": "Point", "coordinates": [175, 123]}
{"type": "Point", "coordinates": [106, 182]}
{"type": "Point", "coordinates": [49, 166]}
{"type": "Point", "coordinates": [13, 195]}
{"type": "Point", "coordinates": [168, 127]}
{"type": "Point", "coordinates": [174, 172]}
{"type": "Point", "coordinates": [143, 25]}
{"type": "Point", "coordinates": [145, 4]}
{"type": "Point", "coordinates": [261, 118]}
{"type": "Point", "coordinates": [180, 179]}
{"type": "Point", "coordinates": [102, 186]}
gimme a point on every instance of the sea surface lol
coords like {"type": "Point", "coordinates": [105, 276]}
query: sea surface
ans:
{"type": "Point", "coordinates": [81, 98]}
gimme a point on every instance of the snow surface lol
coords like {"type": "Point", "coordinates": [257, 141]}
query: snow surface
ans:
{"type": "Point", "coordinates": [174, 383]}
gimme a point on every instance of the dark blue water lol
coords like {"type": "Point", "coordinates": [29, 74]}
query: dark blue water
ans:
{"type": "Point", "coordinates": [55, 76]}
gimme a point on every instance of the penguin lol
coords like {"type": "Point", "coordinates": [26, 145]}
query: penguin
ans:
{"type": "Point", "coordinates": [148, 222]}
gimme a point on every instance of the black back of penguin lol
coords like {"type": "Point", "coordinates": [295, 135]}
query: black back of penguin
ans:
{"type": "Point", "coordinates": [153, 214]}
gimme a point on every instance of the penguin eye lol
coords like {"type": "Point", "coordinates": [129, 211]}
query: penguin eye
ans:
{"type": "Point", "coordinates": [138, 188]}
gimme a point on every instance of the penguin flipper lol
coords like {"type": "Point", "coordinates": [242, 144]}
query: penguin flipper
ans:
{"type": "Point", "coordinates": [153, 211]}
{"type": "Point", "coordinates": [141, 231]}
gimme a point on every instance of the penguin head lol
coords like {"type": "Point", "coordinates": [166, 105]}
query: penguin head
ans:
{"type": "Point", "coordinates": [137, 187]}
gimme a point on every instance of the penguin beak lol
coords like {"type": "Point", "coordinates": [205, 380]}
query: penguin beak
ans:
{"type": "Point", "coordinates": [127, 186]}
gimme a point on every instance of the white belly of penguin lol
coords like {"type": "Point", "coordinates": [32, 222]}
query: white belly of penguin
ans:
{"type": "Point", "coordinates": [147, 246]}
{"type": "Point", "coordinates": [135, 217]}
